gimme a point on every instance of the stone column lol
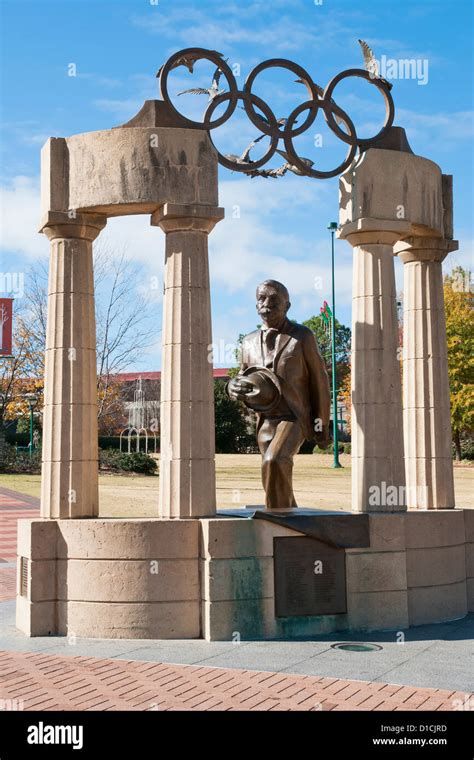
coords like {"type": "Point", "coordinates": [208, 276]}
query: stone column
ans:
{"type": "Point", "coordinates": [187, 436]}
{"type": "Point", "coordinates": [69, 473]}
{"type": "Point", "coordinates": [426, 403]}
{"type": "Point", "coordinates": [378, 474]}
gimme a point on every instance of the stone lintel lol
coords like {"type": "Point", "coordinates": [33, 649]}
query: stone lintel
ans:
{"type": "Point", "coordinates": [178, 217]}
{"type": "Point", "coordinates": [69, 224]}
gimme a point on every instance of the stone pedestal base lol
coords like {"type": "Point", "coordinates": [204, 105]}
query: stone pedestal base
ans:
{"type": "Point", "coordinates": [214, 578]}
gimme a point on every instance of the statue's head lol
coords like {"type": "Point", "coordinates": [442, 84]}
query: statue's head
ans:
{"type": "Point", "coordinates": [273, 302]}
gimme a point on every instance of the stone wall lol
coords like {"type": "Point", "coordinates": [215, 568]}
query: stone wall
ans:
{"type": "Point", "coordinates": [214, 578]}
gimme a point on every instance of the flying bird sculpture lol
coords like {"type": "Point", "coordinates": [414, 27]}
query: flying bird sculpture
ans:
{"type": "Point", "coordinates": [188, 61]}
{"type": "Point", "coordinates": [273, 173]}
{"type": "Point", "coordinates": [245, 157]}
{"type": "Point", "coordinates": [371, 64]}
{"type": "Point", "coordinates": [291, 167]}
{"type": "Point", "coordinates": [213, 91]}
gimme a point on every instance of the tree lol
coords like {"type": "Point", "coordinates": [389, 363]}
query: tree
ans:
{"type": "Point", "coordinates": [21, 374]}
{"type": "Point", "coordinates": [112, 414]}
{"type": "Point", "coordinates": [123, 320]}
{"type": "Point", "coordinates": [459, 306]}
{"type": "Point", "coordinates": [230, 423]}
{"type": "Point", "coordinates": [343, 346]}
{"type": "Point", "coordinates": [345, 395]}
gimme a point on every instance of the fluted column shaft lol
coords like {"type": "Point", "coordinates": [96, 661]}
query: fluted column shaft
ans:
{"type": "Point", "coordinates": [426, 402]}
{"type": "Point", "coordinates": [69, 484]}
{"type": "Point", "coordinates": [378, 477]}
{"type": "Point", "coordinates": [187, 434]}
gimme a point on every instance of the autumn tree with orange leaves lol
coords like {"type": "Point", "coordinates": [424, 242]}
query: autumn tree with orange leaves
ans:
{"type": "Point", "coordinates": [459, 305]}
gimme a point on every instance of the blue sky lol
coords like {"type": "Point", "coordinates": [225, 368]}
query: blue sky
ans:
{"type": "Point", "coordinates": [118, 45]}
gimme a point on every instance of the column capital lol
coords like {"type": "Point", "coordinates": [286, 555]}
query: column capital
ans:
{"type": "Point", "coordinates": [183, 217]}
{"type": "Point", "coordinates": [368, 231]}
{"type": "Point", "coordinates": [424, 249]}
{"type": "Point", "coordinates": [71, 224]}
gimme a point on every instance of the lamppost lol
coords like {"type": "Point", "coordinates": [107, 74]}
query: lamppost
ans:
{"type": "Point", "coordinates": [332, 227]}
{"type": "Point", "coordinates": [3, 399]}
{"type": "Point", "coordinates": [32, 400]}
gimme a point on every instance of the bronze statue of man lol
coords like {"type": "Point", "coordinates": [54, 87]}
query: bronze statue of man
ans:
{"type": "Point", "coordinates": [284, 379]}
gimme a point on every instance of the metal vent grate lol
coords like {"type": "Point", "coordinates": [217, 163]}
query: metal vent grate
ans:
{"type": "Point", "coordinates": [23, 576]}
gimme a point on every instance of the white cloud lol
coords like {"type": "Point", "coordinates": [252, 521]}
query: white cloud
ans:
{"type": "Point", "coordinates": [20, 218]}
{"type": "Point", "coordinates": [100, 80]}
{"type": "Point", "coordinates": [440, 126]}
{"type": "Point", "coordinates": [140, 241]}
{"type": "Point", "coordinates": [255, 246]}
{"type": "Point", "coordinates": [252, 25]}
{"type": "Point", "coordinates": [28, 132]}
{"type": "Point", "coordinates": [35, 139]}
{"type": "Point", "coordinates": [399, 50]}
{"type": "Point", "coordinates": [124, 109]}
{"type": "Point", "coordinates": [443, 126]}
{"type": "Point", "coordinates": [251, 248]}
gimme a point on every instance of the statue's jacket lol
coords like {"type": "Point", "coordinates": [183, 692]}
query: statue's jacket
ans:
{"type": "Point", "coordinates": [301, 372]}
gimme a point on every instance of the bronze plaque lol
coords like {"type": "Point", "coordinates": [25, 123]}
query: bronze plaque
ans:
{"type": "Point", "coordinates": [310, 577]}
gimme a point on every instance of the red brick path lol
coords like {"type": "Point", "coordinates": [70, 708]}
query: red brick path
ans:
{"type": "Point", "coordinates": [7, 583]}
{"type": "Point", "coordinates": [47, 682]}
{"type": "Point", "coordinates": [13, 507]}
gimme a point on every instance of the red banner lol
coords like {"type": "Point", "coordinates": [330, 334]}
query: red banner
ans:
{"type": "Point", "coordinates": [6, 321]}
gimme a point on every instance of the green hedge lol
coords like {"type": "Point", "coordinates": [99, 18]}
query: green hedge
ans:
{"type": "Point", "coordinates": [17, 439]}
{"type": "Point", "coordinates": [105, 441]}
{"type": "Point", "coordinates": [14, 461]}
{"type": "Point", "coordinates": [467, 449]}
{"type": "Point", "coordinates": [116, 461]}
{"type": "Point", "coordinates": [343, 448]}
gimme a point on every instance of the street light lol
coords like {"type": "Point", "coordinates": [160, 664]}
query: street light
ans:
{"type": "Point", "coordinates": [332, 227]}
{"type": "Point", "coordinates": [32, 400]}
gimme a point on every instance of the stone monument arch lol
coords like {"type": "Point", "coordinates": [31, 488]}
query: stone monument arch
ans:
{"type": "Point", "coordinates": [192, 572]}
{"type": "Point", "coordinates": [151, 165]}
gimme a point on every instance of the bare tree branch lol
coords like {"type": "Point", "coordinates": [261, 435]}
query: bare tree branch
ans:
{"type": "Point", "coordinates": [123, 324]}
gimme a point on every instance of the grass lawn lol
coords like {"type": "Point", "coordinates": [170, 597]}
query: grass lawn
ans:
{"type": "Point", "coordinates": [316, 484]}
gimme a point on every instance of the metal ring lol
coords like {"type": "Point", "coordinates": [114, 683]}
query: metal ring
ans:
{"type": "Point", "coordinates": [269, 125]}
{"type": "Point", "coordinates": [208, 55]}
{"type": "Point", "coordinates": [295, 69]}
{"type": "Point", "coordinates": [309, 171]}
{"type": "Point", "coordinates": [267, 111]}
{"type": "Point", "coordinates": [362, 74]}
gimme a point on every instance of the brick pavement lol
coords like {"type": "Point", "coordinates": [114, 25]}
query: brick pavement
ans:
{"type": "Point", "coordinates": [13, 507]}
{"type": "Point", "coordinates": [7, 583]}
{"type": "Point", "coordinates": [38, 681]}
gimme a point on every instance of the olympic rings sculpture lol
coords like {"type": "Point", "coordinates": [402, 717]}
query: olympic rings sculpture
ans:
{"type": "Point", "coordinates": [266, 122]}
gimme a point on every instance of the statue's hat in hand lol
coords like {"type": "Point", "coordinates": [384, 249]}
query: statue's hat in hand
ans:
{"type": "Point", "coordinates": [267, 394]}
